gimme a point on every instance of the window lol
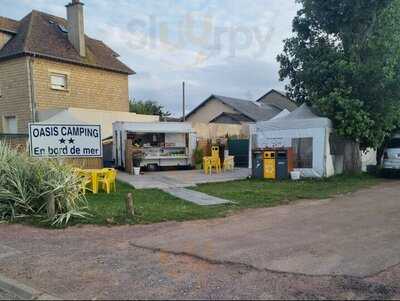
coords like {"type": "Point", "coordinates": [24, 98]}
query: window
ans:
{"type": "Point", "coordinates": [59, 81]}
{"type": "Point", "coordinates": [302, 152]}
{"type": "Point", "coordinates": [62, 28]}
{"type": "Point", "coordinates": [10, 125]}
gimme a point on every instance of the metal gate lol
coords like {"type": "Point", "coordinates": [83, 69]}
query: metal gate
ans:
{"type": "Point", "coordinates": [240, 149]}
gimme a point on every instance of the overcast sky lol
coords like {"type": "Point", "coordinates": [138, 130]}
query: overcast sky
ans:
{"type": "Point", "coordinates": [225, 47]}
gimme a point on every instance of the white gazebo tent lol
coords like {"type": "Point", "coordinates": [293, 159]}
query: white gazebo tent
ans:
{"type": "Point", "coordinates": [305, 132]}
{"type": "Point", "coordinates": [309, 135]}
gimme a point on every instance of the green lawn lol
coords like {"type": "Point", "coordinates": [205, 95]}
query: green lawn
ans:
{"type": "Point", "coordinates": [154, 206]}
{"type": "Point", "coordinates": [151, 206]}
{"type": "Point", "coordinates": [261, 193]}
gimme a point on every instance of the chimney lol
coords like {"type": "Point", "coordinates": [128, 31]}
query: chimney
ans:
{"type": "Point", "coordinates": [76, 28]}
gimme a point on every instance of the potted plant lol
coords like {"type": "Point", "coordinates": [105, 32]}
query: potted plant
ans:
{"type": "Point", "coordinates": [198, 157]}
{"type": "Point", "coordinates": [136, 162]}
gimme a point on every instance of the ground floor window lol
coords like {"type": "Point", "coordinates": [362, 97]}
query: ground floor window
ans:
{"type": "Point", "coordinates": [10, 125]}
{"type": "Point", "coordinates": [302, 152]}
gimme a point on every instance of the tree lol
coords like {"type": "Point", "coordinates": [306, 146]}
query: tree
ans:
{"type": "Point", "coordinates": [344, 60]}
{"type": "Point", "coordinates": [148, 107]}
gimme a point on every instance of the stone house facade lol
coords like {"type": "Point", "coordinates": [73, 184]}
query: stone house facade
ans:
{"type": "Point", "coordinates": [47, 63]}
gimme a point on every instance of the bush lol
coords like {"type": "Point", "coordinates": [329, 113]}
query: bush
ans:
{"type": "Point", "coordinates": [198, 156]}
{"type": "Point", "coordinates": [25, 184]}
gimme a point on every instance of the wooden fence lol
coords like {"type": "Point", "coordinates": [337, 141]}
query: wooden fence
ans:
{"type": "Point", "coordinates": [17, 141]}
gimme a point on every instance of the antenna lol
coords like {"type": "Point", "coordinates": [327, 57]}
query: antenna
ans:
{"type": "Point", "coordinates": [183, 102]}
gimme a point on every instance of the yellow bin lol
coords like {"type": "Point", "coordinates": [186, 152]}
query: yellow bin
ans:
{"type": "Point", "coordinates": [270, 165]}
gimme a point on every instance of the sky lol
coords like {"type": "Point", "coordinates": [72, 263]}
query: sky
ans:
{"type": "Point", "coordinates": [223, 47]}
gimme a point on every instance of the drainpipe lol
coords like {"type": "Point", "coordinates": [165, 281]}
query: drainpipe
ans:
{"type": "Point", "coordinates": [31, 86]}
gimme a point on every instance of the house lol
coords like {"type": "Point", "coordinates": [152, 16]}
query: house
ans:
{"type": "Point", "coordinates": [219, 116]}
{"type": "Point", "coordinates": [48, 64]}
{"type": "Point", "coordinates": [278, 100]}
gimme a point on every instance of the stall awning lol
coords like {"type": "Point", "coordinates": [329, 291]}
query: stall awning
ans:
{"type": "Point", "coordinates": [160, 127]}
{"type": "Point", "coordinates": [89, 116]}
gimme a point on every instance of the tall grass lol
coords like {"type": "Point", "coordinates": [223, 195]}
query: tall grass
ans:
{"type": "Point", "coordinates": [25, 184]}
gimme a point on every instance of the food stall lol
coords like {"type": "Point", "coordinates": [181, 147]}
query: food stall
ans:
{"type": "Point", "coordinates": [160, 144]}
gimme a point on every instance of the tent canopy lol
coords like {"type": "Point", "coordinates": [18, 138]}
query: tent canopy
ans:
{"type": "Point", "coordinates": [301, 118]}
{"type": "Point", "coordinates": [305, 132]}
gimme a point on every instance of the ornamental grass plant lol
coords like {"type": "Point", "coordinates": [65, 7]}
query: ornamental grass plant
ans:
{"type": "Point", "coordinates": [26, 183]}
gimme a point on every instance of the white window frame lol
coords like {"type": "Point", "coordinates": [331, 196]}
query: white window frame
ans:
{"type": "Point", "coordinates": [6, 128]}
{"type": "Point", "coordinates": [59, 75]}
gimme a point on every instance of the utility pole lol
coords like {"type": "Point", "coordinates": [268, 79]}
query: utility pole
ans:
{"type": "Point", "coordinates": [183, 102]}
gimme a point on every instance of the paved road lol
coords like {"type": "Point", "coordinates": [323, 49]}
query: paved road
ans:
{"type": "Point", "coordinates": [354, 235]}
{"type": "Point", "coordinates": [259, 254]}
{"type": "Point", "coordinates": [180, 178]}
{"type": "Point", "coordinates": [195, 197]}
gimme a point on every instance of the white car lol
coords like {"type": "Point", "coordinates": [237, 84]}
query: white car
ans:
{"type": "Point", "coordinates": [391, 156]}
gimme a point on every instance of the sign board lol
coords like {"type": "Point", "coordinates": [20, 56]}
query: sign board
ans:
{"type": "Point", "coordinates": [278, 142]}
{"type": "Point", "coordinates": [65, 140]}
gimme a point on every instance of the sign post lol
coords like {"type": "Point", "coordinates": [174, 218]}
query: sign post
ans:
{"type": "Point", "coordinates": [65, 140]}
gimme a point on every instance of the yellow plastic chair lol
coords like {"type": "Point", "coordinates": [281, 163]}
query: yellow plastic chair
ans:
{"type": "Point", "coordinates": [216, 163]}
{"type": "Point", "coordinates": [109, 181]}
{"type": "Point", "coordinates": [216, 160]}
{"type": "Point", "coordinates": [85, 181]}
{"type": "Point", "coordinates": [229, 163]}
{"type": "Point", "coordinates": [215, 152]}
{"type": "Point", "coordinates": [110, 170]}
{"type": "Point", "coordinates": [207, 165]}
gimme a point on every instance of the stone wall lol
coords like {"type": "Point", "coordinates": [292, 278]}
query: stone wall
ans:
{"type": "Point", "coordinates": [87, 88]}
{"type": "Point", "coordinates": [213, 108]}
{"type": "Point", "coordinates": [215, 131]}
{"type": "Point", "coordinates": [15, 91]}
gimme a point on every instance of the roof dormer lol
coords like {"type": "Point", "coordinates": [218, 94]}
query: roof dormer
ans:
{"type": "Point", "coordinates": [8, 28]}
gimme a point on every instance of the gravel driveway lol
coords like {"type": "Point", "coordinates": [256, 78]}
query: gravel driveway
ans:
{"type": "Point", "coordinates": [355, 235]}
{"type": "Point", "coordinates": [291, 252]}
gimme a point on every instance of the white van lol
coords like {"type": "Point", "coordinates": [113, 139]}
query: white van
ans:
{"type": "Point", "coordinates": [391, 156]}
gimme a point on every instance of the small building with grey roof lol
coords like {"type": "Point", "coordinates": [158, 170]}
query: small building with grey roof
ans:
{"type": "Point", "coordinates": [219, 116]}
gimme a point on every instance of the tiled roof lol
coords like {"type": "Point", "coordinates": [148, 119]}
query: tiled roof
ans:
{"type": "Point", "coordinates": [39, 34]}
{"type": "Point", "coordinates": [8, 25]}
{"type": "Point", "coordinates": [238, 118]}
{"type": "Point", "coordinates": [282, 102]}
{"type": "Point", "coordinates": [250, 109]}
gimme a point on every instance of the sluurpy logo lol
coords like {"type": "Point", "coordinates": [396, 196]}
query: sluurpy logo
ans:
{"type": "Point", "coordinates": [193, 37]}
